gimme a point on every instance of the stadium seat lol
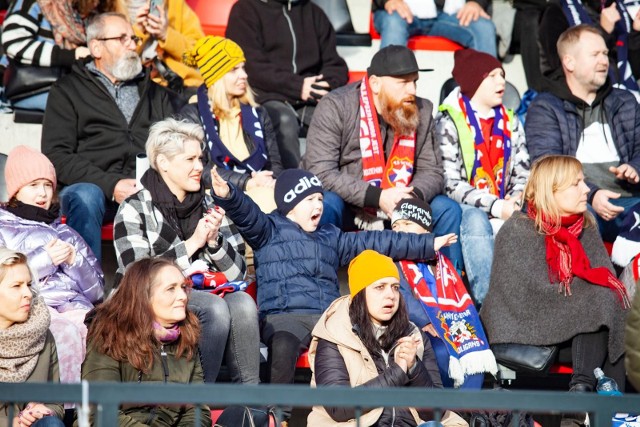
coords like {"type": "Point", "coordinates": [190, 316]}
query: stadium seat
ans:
{"type": "Point", "coordinates": [213, 14]}
{"type": "Point", "coordinates": [105, 234]}
{"type": "Point", "coordinates": [436, 43]}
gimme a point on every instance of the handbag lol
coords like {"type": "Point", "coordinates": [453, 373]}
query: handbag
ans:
{"type": "Point", "coordinates": [243, 416]}
{"type": "Point", "coordinates": [533, 359]}
{"type": "Point", "coordinates": [22, 81]}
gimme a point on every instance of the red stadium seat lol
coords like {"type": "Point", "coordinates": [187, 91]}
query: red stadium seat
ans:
{"type": "Point", "coordinates": [213, 14]}
{"type": "Point", "coordinates": [106, 232]}
{"type": "Point", "coordinates": [422, 42]}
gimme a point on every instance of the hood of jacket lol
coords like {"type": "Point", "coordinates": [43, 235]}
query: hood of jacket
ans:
{"type": "Point", "coordinates": [557, 85]}
{"type": "Point", "coordinates": [288, 3]}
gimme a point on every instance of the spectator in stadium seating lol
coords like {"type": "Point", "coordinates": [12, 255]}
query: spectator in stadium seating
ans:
{"type": "Point", "coordinates": [583, 116]}
{"type": "Point", "coordinates": [159, 344]}
{"type": "Point", "coordinates": [559, 288]}
{"type": "Point", "coordinates": [44, 33]}
{"type": "Point", "coordinates": [632, 330]}
{"type": "Point", "coordinates": [485, 159]}
{"type": "Point", "coordinates": [172, 216]}
{"type": "Point", "coordinates": [465, 22]}
{"type": "Point", "coordinates": [96, 122]}
{"type": "Point", "coordinates": [292, 62]}
{"type": "Point", "coordinates": [240, 140]}
{"type": "Point", "coordinates": [71, 280]}
{"type": "Point", "coordinates": [439, 304]}
{"type": "Point", "coordinates": [165, 34]}
{"type": "Point", "coordinates": [612, 18]}
{"type": "Point", "coordinates": [402, 158]}
{"type": "Point", "coordinates": [28, 352]}
{"type": "Point", "coordinates": [297, 260]}
{"type": "Point", "coordinates": [365, 339]}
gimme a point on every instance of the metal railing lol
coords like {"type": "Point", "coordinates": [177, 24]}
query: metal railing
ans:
{"type": "Point", "coordinates": [108, 397]}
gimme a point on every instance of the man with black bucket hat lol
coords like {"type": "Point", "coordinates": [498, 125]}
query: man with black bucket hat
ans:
{"type": "Point", "coordinates": [372, 144]}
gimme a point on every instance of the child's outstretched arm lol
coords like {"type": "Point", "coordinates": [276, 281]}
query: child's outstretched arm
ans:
{"type": "Point", "coordinates": [253, 224]}
{"type": "Point", "coordinates": [219, 185]}
{"type": "Point", "coordinates": [446, 240]}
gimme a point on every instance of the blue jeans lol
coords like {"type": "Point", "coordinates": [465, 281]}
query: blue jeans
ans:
{"type": "Point", "coordinates": [479, 35]}
{"type": "Point", "coordinates": [35, 102]}
{"type": "Point", "coordinates": [86, 209]}
{"type": "Point", "coordinates": [229, 330]}
{"type": "Point", "coordinates": [50, 421]}
{"type": "Point", "coordinates": [446, 219]}
{"type": "Point", "coordinates": [476, 238]}
{"type": "Point", "coordinates": [609, 230]}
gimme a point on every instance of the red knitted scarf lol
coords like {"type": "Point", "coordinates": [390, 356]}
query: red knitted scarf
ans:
{"type": "Point", "coordinates": [566, 256]}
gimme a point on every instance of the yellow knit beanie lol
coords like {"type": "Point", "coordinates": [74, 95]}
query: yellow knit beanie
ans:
{"type": "Point", "coordinates": [215, 56]}
{"type": "Point", "coordinates": [368, 267]}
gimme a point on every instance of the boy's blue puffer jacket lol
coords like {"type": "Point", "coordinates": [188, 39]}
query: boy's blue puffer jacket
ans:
{"type": "Point", "coordinates": [296, 270]}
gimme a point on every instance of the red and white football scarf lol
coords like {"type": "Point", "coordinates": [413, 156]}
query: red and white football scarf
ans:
{"type": "Point", "coordinates": [397, 171]}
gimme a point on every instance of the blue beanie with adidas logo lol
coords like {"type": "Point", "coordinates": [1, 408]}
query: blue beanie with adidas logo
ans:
{"type": "Point", "coordinates": [292, 186]}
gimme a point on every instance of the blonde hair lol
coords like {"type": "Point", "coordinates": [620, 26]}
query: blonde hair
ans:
{"type": "Point", "coordinates": [10, 258]}
{"type": "Point", "coordinates": [167, 137]}
{"type": "Point", "coordinates": [218, 98]}
{"type": "Point", "coordinates": [571, 37]}
{"type": "Point", "coordinates": [548, 175]}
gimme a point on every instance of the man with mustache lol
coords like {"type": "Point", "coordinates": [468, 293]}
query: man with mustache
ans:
{"type": "Point", "coordinates": [372, 144]}
{"type": "Point", "coordinates": [585, 117]}
{"type": "Point", "coordinates": [96, 122]}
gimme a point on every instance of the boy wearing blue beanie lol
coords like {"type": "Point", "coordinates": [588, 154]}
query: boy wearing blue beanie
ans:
{"type": "Point", "coordinates": [296, 261]}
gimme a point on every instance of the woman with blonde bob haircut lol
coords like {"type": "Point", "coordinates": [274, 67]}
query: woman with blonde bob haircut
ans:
{"type": "Point", "coordinates": [173, 217]}
{"type": "Point", "coordinates": [552, 281]}
{"type": "Point", "coordinates": [239, 137]}
{"type": "Point", "coordinates": [145, 333]}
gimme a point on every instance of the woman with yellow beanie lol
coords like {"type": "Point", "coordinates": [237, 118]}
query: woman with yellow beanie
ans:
{"type": "Point", "coordinates": [366, 339]}
{"type": "Point", "coordinates": [239, 137]}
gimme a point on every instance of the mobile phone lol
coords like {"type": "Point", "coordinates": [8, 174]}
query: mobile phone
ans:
{"type": "Point", "coordinates": [633, 10]}
{"type": "Point", "coordinates": [153, 7]}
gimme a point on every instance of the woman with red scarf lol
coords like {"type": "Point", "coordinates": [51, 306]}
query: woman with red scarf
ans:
{"type": "Point", "coordinates": [552, 280]}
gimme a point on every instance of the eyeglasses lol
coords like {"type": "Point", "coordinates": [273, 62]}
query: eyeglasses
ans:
{"type": "Point", "coordinates": [124, 39]}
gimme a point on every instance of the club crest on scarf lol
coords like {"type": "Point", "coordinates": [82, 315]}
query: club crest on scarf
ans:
{"type": "Point", "coordinates": [453, 316]}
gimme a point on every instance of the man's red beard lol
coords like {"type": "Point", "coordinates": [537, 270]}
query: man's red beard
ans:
{"type": "Point", "coordinates": [403, 118]}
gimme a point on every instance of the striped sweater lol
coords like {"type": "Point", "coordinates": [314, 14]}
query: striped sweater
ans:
{"type": "Point", "coordinates": [27, 37]}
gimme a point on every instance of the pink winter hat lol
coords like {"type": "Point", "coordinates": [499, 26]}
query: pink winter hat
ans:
{"type": "Point", "coordinates": [24, 165]}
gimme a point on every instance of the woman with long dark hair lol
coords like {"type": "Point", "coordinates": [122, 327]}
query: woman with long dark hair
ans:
{"type": "Point", "coordinates": [159, 343]}
{"type": "Point", "coordinates": [365, 339]}
{"type": "Point", "coordinates": [28, 351]}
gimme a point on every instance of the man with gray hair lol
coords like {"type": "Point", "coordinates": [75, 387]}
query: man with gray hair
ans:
{"type": "Point", "coordinates": [96, 122]}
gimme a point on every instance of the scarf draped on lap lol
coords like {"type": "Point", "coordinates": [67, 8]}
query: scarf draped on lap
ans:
{"type": "Point", "coordinates": [566, 257]}
{"type": "Point", "coordinates": [454, 317]}
{"type": "Point", "coordinates": [21, 344]}
{"type": "Point", "coordinates": [67, 26]}
{"type": "Point", "coordinates": [182, 216]}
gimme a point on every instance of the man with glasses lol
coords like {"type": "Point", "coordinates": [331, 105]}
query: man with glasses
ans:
{"type": "Point", "coordinates": [96, 122]}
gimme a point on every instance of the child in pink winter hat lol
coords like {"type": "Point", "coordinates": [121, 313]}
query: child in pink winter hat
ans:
{"type": "Point", "coordinates": [25, 165]}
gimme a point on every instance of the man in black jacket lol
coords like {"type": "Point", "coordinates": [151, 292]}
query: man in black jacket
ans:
{"type": "Point", "coordinates": [96, 122]}
{"type": "Point", "coordinates": [585, 117]}
{"type": "Point", "coordinates": [292, 62]}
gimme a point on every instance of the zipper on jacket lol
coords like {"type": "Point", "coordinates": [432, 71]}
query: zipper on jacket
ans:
{"type": "Point", "coordinates": [293, 37]}
{"type": "Point", "coordinates": [165, 364]}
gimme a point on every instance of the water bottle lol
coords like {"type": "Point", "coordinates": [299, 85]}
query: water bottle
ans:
{"type": "Point", "coordinates": [606, 386]}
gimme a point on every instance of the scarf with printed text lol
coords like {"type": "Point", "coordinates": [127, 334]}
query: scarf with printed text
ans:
{"type": "Point", "coordinates": [453, 315]}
